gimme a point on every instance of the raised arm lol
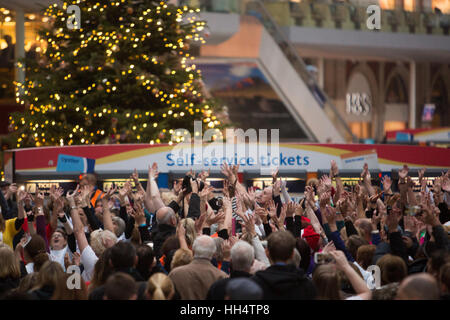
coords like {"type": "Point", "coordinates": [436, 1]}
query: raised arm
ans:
{"type": "Point", "coordinates": [107, 219]}
{"type": "Point", "coordinates": [358, 284]}
{"type": "Point", "coordinates": [78, 227]}
{"type": "Point", "coordinates": [152, 187]}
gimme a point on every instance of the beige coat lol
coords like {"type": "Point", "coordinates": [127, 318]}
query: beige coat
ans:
{"type": "Point", "coordinates": [193, 281]}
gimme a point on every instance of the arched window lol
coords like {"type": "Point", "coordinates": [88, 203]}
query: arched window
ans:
{"type": "Point", "coordinates": [439, 98]}
{"type": "Point", "coordinates": [396, 92]}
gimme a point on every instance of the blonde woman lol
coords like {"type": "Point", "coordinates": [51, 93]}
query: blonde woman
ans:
{"type": "Point", "coordinates": [160, 287]}
{"type": "Point", "coordinates": [9, 270]}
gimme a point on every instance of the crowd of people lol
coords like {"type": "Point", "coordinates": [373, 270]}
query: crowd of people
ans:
{"type": "Point", "coordinates": [339, 242]}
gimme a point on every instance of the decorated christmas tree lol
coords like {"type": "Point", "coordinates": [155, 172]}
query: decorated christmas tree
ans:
{"type": "Point", "coordinates": [121, 73]}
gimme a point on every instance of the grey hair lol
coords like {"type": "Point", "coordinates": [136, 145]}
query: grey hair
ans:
{"type": "Point", "coordinates": [242, 256]}
{"type": "Point", "coordinates": [120, 225]}
{"type": "Point", "coordinates": [169, 214]}
{"type": "Point", "coordinates": [204, 247]}
{"type": "Point", "coordinates": [296, 258]}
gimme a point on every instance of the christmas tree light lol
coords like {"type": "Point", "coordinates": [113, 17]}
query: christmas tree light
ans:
{"type": "Point", "coordinates": [124, 76]}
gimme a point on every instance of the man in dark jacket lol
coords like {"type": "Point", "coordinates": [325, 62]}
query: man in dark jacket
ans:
{"type": "Point", "coordinates": [242, 257]}
{"type": "Point", "coordinates": [283, 281]}
{"type": "Point", "coordinates": [167, 221]}
{"type": "Point", "coordinates": [167, 218]}
{"type": "Point", "coordinates": [123, 260]}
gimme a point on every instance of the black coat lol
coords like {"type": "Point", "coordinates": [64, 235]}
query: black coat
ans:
{"type": "Point", "coordinates": [162, 232]}
{"type": "Point", "coordinates": [285, 282]}
{"type": "Point", "coordinates": [218, 288]}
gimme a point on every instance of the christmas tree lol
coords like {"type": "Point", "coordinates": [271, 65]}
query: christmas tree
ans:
{"type": "Point", "coordinates": [123, 74]}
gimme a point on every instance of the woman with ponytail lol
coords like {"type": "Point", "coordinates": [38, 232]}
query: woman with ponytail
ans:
{"type": "Point", "coordinates": [35, 253]}
{"type": "Point", "coordinates": [160, 287]}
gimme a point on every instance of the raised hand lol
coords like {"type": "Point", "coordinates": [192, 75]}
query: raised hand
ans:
{"type": "Point", "coordinates": [249, 222]}
{"type": "Point", "coordinates": [177, 185]}
{"type": "Point", "coordinates": [329, 247]}
{"type": "Point", "coordinates": [274, 175]}
{"type": "Point", "coordinates": [324, 199]}
{"type": "Point", "coordinates": [446, 185]}
{"type": "Point", "coordinates": [282, 217]}
{"type": "Point", "coordinates": [204, 174]}
{"type": "Point", "coordinates": [213, 218]}
{"type": "Point", "coordinates": [365, 175]}
{"type": "Point", "coordinates": [290, 208]}
{"type": "Point", "coordinates": [135, 176]}
{"type": "Point", "coordinates": [334, 171]}
{"type": "Point", "coordinates": [330, 214]}
{"type": "Point", "coordinates": [276, 188]}
{"type": "Point", "coordinates": [108, 195]}
{"type": "Point", "coordinates": [262, 213]}
{"type": "Point", "coordinates": [326, 181]}
{"type": "Point", "coordinates": [194, 185]}
{"type": "Point", "coordinates": [70, 196]}
{"type": "Point", "coordinates": [387, 183]}
{"type": "Point", "coordinates": [272, 209]}
{"type": "Point", "coordinates": [21, 196]}
{"type": "Point", "coordinates": [251, 195]}
{"type": "Point", "coordinates": [207, 190]}
{"type": "Point", "coordinates": [153, 171]}
{"type": "Point", "coordinates": [404, 172]}
{"type": "Point", "coordinates": [39, 198]}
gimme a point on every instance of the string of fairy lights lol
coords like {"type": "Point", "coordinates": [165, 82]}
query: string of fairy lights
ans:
{"type": "Point", "coordinates": [112, 41]}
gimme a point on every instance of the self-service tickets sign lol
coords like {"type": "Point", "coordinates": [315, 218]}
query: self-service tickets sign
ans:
{"type": "Point", "coordinates": [289, 156]}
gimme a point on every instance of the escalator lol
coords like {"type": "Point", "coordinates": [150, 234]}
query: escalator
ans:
{"type": "Point", "coordinates": [306, 101]}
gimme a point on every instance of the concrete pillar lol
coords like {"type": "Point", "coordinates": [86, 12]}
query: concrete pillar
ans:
{"type": "Point", "coordinates": [412, 95]}
{"type": "Point", "coordinates": [321, 72]}
{"type": "Point", "coordinates": [20, 44]}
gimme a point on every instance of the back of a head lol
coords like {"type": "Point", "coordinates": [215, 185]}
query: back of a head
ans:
{"type": "Point", "coordinates": [180, 258]}
{"type": "Point", "coordinates": [102, 239]}
{"type": "Point", "coordinates": [90, 178]}
{"type": "Point", "coordinates": [191, 233]}
{"type": "Point", "coordinates": [160, 287]}
{"type": "Point", "coordinates": [164, 215]}
{"type": "Point", "coordinates": [393, 269]}
{"type": "Point", "coordinates": [242, 256]}
{"type": "Point", "coordinates": [326, 281]}
{"type": "Point", "coordinates": [204, 247]}
{"type": "Point", "coordinates": [444, 278]}
{"type": "Point", "coordinates": [102, 270]}
{"type": "Point", "coordinates": [438, 259]}
{"type": "Point", "coordinates": [37, 251]}
{"type": "Point", "coordinates": [296, 258]}
{"type": "Point", "coordinates": [120, 225]}
{"type": "Point", "coordinates": [243, 289]}
{"type": "Point", "coordinates": [353, 243]}
{"type": "Point", "coordinates": [364, 255]}
{"type": "Point", "coordinates": [9, 265]}
{"type": "Point", "coordinates": [305, 253]}
{"type": "Point", "coordinates": [146, 257]}
{"type": "Point", "coordinates": [120, 286]}
{"type": "Point", "coordinates": [51, 274]}
{"type": "Point", "coordinates": [281, 246]}
{"type": "Point", "coordinates": [421, 286]}
{"type": "Point", "coordinates": [63, 292]}
{"type": "Point", "coordinates": [387, 292]}
{"type": "Point", "coordinates": [123, 255]}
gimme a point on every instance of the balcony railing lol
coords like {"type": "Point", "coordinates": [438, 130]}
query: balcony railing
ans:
{"type": "Point", "coordinates": [335, 15]}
